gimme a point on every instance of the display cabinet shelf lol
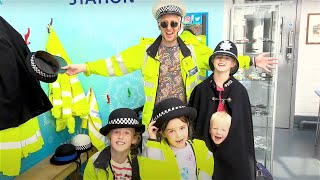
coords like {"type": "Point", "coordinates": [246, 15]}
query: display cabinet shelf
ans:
{"type": "Point", "coordinates": [254, 29]}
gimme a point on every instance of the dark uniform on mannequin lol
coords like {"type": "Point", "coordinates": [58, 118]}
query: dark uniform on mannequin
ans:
{"type": "Point", "coordinates": [21, 96]}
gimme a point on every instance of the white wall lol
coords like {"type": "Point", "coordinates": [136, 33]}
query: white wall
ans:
{"type": "Point", "coordinates": [308, 67]}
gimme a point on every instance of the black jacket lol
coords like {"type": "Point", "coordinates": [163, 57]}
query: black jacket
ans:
{"type": "Point", "coordinates": [235, 157]}
{"type": "Point", "coordinates": [21, 96]}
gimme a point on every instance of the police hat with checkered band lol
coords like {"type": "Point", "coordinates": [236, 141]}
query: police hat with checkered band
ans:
{"type": "Point", "coordinates": [81, 142]}
{"type": "Point", "coordinates": [163, 7]}
{"type": "Point", "coordinates": [225, 48]}
{"type": "Point", "coordinates": [171, 108]}
{"type": "Point", "coordinates": [44, 66]}
{"type": "Point", "coordinates": [122, 118]}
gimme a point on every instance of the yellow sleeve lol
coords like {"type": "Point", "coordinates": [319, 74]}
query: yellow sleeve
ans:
{"type": "Point", "coordinates": [89, 171]}
{"type": "Point", "coordinates": [121, 64]}
{"type": "Point", "coordinates": [203, 54]}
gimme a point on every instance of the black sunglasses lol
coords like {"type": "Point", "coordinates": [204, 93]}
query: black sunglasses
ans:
{"type": "Point", "coordinates": [173, 24]}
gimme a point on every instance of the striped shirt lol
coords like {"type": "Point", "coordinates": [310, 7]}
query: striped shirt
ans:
{"type": "Point", "coordinates": [121, 171]}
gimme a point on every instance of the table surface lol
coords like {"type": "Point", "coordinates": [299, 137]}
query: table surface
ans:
{"type": "Point", "coordinates": [45, 170]}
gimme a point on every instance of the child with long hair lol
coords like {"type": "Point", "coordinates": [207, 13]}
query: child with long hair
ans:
{"type": "Point", "coordinates": [121, 160]}
{"type": "Point", "coordinates": [169, 141]}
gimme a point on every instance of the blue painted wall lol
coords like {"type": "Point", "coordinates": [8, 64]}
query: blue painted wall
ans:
{"type": "Point", "coordinates": [92, 31]}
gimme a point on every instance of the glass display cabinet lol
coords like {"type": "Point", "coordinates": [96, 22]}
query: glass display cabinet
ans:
{"type": "Point", "coordinates": [254, 29]}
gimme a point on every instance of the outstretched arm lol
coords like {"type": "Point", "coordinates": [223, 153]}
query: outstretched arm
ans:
{"type": "Point", "coordinates": [264, 62]}
{"type": "Point", "coordinates": [73, 69]}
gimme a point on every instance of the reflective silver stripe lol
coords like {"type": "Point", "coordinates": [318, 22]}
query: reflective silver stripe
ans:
{"type": "Point", "coordinates": [192, 52]}
{"type": "Point", "coordinates": [66, 94]}
{"type": "Point", "coordinates": [20, 144]}
{"type": "Point", "coordinates": [202, 78]}
{"type": "Point", "coordinates": [149, 98]}
{"type": "Point", "coordinates": [55, 85]}
{"type": "Point", "coordinates": [57, 102]}
{"type": "Point", "coordinates": [121, 64]}
{"type": "Point", "coordinates": [94, 114]}
{"type": "Point", "coordinates": [66, 111]}
{"type": "Point", "coordinates": [78, 98]}
{"type": "Point", "coordinates": [94, 130]}
{"type": "Point", "coordinates": [191, 86]}
{"type": "Point", "coordinates": [74, 80]}
{"type": "Point", "coordinates": [97, 125]}
{"type": "Point", "coordinates": [157, 153]}
{"type": "Point", "coordinates": [193, 55]}
{"type": "Point", "coordinates": [148, 84]}
{"type": "Point", "coordinates": [109, 67]}
{"type": "Point", "coordinates": [145, 58]}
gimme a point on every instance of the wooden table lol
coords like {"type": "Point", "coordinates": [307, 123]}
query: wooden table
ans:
{"type": "Point", "coordinates": [45, 170]}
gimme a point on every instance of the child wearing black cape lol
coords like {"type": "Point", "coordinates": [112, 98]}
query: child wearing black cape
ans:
{"type": "Point", "coordinates": [235, 156]}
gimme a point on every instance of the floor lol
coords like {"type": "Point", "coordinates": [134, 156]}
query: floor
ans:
{"type": "Point", "coordinates": [295, 155]}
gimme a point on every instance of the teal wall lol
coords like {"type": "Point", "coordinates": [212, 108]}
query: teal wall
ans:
{"type": "Point", "coordinates": [92, 31]}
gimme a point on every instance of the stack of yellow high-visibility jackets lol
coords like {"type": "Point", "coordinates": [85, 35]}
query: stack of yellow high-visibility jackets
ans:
{"type": "Point", "coordinates": [66, 93]}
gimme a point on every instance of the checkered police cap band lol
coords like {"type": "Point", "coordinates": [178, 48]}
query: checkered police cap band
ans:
{"type": "Point", "coordinates": [83, 147]}
{"type": "Point", "coordinates": [162, 113]}
{"type": "Point", "coordinates": [124, 121]}
{"type": "Point", "coordinates": [168, 9]}
{"type": "Point", "coordinates": [39, 71]}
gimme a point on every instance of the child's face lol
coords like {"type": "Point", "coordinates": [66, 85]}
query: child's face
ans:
{"type": "Point", "coordinates": [122, 138]}
{"type": "Point", "coordinates": [223, 63]}
{"type": "Point", "coordinates": [176, 133]}
{"type": "Point", "coordinates": [219, 130]}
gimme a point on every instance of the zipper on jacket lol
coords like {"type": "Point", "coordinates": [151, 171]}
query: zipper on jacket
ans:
{"type": "Point", "coordinates": [195, 158]}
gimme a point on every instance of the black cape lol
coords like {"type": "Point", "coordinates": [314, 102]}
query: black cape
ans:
{"type": "Point", "coordinates": [235, 157]}
{"type": "Point", "coordinates": [21, 96]}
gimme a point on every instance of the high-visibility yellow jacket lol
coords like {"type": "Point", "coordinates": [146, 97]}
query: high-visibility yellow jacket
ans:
{"type": "Point", "coordinates": [187, 34]}
{"type": "Point", "coordinates": [194, 61]}
{"type": "Point", "coordinates": [66, 93]}
{"type": "Point", "coordinates": [98, 167]}
{"type": "Point", "coordinates": [162, 151]}
{"type": "Point", "coordinates": [68, 100]}
{"type": "Point", "coordinates": [17, 143]}
{"type": "Point", "coordinates": [93, 122]}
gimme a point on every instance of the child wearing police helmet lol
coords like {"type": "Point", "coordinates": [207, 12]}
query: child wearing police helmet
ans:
{"type": "Point", "coordinates": [235, 156]}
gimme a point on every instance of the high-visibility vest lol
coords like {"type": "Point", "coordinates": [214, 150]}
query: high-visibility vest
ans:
{"type": "Point", "coordinates": [162, 151]}
{"type": "Point", "coordinates": [94, 123]}
{"type": "Point", "coordinates": [68, 100]}
{"type": "Point", "coordinates": [17, 143]}
{"type": "Point", "coordinates": [66, 94]}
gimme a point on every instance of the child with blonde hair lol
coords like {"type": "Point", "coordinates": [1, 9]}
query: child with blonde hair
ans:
{"type": "Point", "coordinates": [220, 123]}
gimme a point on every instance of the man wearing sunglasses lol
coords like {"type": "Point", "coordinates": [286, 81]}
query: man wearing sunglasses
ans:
{"type": "Point", "coordinates": [171, 67]}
